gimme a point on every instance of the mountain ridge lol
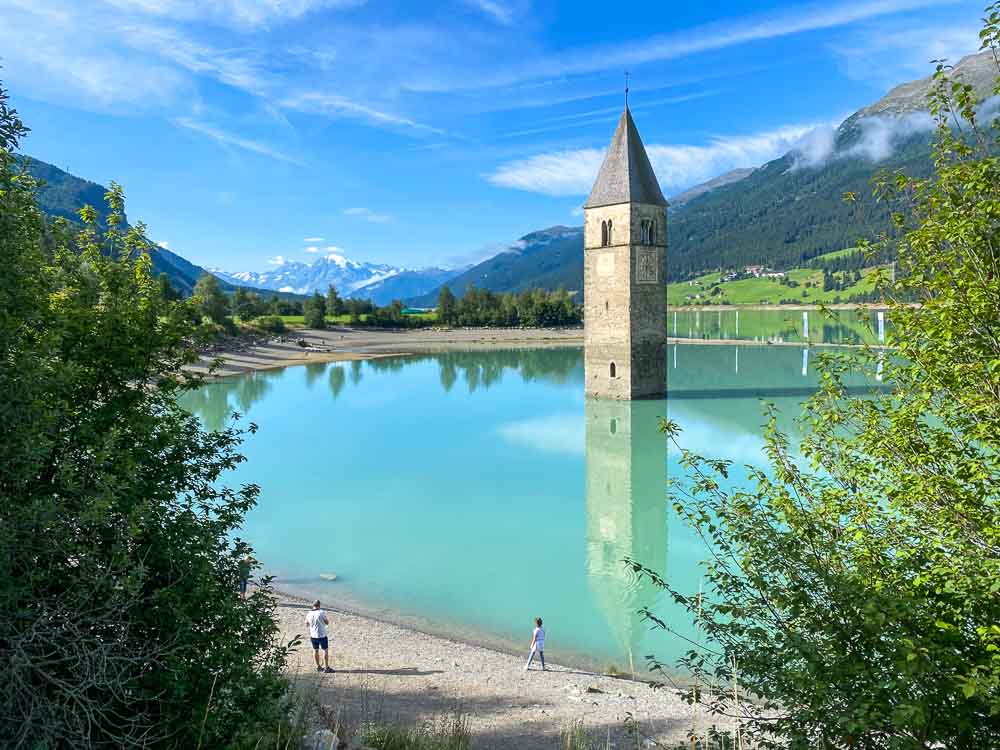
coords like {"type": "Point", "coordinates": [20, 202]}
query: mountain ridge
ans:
{"type": "Point", "coordinates": [782, 213]}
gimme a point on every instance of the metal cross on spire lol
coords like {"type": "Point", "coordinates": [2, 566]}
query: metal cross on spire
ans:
{"type": "Point", "coordinates": [626, 89]}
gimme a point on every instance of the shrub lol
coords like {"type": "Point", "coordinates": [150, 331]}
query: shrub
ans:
{"type": "Point", "coordinates": [120, 625]}
{"type": "Point", "coordinates": [270, 323]}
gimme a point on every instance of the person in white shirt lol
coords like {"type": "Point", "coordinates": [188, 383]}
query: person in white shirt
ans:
{"type": "Point", "coordinates": [317, 621]}
{"type": "Point", "coordinates": [537, 644]}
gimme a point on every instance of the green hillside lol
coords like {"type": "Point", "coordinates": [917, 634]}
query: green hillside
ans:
{"type": "Point", "coordinates": [62, 195]}
{"type": "Point", "coordinates": [782, 216]}
{"type": "Point", "coordinates": [802, 286]}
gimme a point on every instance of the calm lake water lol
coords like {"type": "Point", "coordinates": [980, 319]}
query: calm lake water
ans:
{"type": "Point", "coordinates": [469, 492]}
{"type": "Point", "coordinates": [780, 326]}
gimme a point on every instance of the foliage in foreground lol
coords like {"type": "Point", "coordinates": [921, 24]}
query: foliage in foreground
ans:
{"type": "Point", "coordinates": [449, 733]}
{"type": "Point", "coordinates": [119, 620]}
{"type": "Point", "coordinates": [857, 591]}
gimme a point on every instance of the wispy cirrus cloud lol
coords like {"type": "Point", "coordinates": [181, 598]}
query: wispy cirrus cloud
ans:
{"type": "Point", "coordinates": [888, 52]}
{"type": "Point", "coordinates": [231, 140]}
{"type": "Point", "coordinates": [238, 13]}
{"type": "Point", "coordinates": [336, 106]}
{"type": "Point", "coordinates": [500, 12]}
{"type": "Point", "coordinates": [312, 240]}
{"type": "Point", "coordinates": [572, 172]}
{"type": "Point", "coordinates": [368, 215]}
{"type": "Point", "coordinates": [715, 36]}
{"type": "Point", "coordinates": [604, 114]}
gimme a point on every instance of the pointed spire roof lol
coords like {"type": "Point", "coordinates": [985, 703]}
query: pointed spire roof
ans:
{"type": "Point", "coordinates": [626, 175]}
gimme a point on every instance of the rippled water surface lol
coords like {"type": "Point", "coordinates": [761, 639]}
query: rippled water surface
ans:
{"type": "Point", "coordinates": [469, 492]}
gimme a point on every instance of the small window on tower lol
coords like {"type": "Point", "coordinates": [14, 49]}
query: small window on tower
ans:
{"type": "Point", "coordinates": [604, 234]}
{"type": "Point", "coordinates": [652, 232]}
{"type": "Point", "coordinates": [610, 240]}
{"type": "Point", "coordinates": [612, 370]}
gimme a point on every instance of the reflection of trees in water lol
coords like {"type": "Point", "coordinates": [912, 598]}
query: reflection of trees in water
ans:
{"type": "Point", "coordinates": [483, 369]}
{"type": "Point", "coordinates": [338, 377]}
{"type": "Point", "coordinates": [840, 334]}
{"type": "Point", "coordinates": [314, 371]}
{"type": "Point", "coordinates": [486, 369]}
{"type": "Point", "coordinates": [215, 402]}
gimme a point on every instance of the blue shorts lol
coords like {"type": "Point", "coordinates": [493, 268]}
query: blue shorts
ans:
{"type": "Point", "coordinates": [320, 643]}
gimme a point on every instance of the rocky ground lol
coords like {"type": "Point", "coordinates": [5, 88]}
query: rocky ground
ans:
{"type": "Point", "coordinates": [388, 673]}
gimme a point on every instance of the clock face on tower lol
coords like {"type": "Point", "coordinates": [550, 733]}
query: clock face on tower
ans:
{"type": "Point", "coordinates": [646, 267]}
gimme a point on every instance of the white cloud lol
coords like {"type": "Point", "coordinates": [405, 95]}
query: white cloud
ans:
{"type": "Point", "coordinates": [228, 139]}
{"type": "Point", "coordinates": [164, 244]}
{"type": "Point", "coordinates": [311, 240]}
{"type": "Point", "coordinates": [729, 32]}
{"type": "Point", "coordinates": [498, 11]}
{"type": "Point", "coordinates": [277, 260]}
{"type": "Point", "coordinates": [572, 172]}
{"type": "Point", "coordinates": [886, 53]}
{"type": "Point", "coordinates": [242, 70]}
{"type": "Point", "coordinates": [815, 147]}
{"type": "Point", "coordinates": [311, 249]}
{"type": "Point", "coordinates": [878, 138]}
{"type": "Point", "coordinates": [368, 215]}
{"type": "Point", "coordinates": [559, 433]}
{"type": "Point", "coordinates": [240, 13]}
{"type": "Point", "coordinates": [336, 106]}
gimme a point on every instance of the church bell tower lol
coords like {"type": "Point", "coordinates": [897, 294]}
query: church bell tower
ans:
{"type": "Point", "coordinates": [624, 256]}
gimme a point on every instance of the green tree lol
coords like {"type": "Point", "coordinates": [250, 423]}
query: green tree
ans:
{"type": "Point", "coordinates": [446, 306]}
{"type": "Point", "coordinates": [334, 304]}
{"type": "Point", "coordinates": [314, 310]}
{"type": "Point", "coordinates": [210, 299]}
{"type": "Point", "coordinates": [119, 621]}
{"type": "Point", "coordinates": [167, 290]}
{"type": "Point", "coordinates": [858, 594]}
{"type": "Point", "coordinates": [246, 305]}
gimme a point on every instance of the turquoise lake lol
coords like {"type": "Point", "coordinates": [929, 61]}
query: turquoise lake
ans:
{"type": "Point", "coordinates": [466, 493]}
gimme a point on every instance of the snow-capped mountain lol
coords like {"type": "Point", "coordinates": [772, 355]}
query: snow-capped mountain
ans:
{"type": "Point", "coordinates": [351, 278]}
{"type": "Point", "coordinates": [305, 278]}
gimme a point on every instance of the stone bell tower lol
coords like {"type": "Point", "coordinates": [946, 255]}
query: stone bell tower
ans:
{"type": "Point", "coordinates": [624, 255]}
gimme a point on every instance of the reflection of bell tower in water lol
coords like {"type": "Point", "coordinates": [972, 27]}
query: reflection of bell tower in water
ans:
{"type": "Point", "coordinates": [626, 511]}
{"type": "Point", "coordinates": [624, 288]}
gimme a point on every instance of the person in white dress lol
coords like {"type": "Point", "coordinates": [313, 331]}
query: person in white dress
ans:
{"type": "Point", "coordinates": [537, 644]}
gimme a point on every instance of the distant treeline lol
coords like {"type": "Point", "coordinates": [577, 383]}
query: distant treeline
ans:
{"type": "Point", "coordinates": [481, 307]}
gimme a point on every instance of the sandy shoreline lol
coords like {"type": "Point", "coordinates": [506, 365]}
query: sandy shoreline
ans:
{"type": "Point", "coordinates": [395, 674]}
{"type": "Point", "coordinates": [346, 344]}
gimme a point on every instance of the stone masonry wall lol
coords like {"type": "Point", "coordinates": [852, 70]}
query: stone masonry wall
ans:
{"type": "Point", "coordinates": [624, 304]}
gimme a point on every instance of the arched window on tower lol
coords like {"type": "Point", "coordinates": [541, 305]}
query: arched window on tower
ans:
{"type": "Point", "coordinates": [604, 234]}
{"type": "Point", "coordinates": [610, 239]}
{"type": "Point", "coordinates": [647, 231]}
{"type": "Point", "coordinates": [612, 370]}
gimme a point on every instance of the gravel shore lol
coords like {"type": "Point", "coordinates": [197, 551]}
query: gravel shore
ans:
{"type": "Point", "coordinates": [344, 344]}
{"type": "Point", "coordinates": [405, 676]}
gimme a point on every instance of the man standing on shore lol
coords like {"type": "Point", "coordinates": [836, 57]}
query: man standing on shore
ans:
{"type": "Point", "coordinates": [317, 621]}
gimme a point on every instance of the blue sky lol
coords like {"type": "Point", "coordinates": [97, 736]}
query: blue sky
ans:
{"type": "Point", "coordinates": [428, 132]}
